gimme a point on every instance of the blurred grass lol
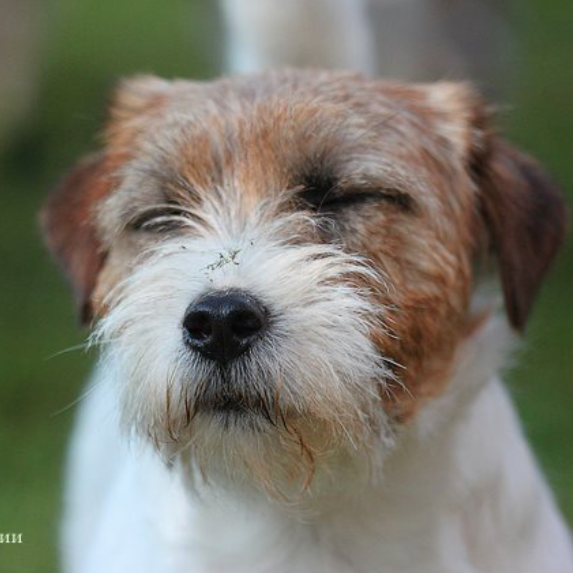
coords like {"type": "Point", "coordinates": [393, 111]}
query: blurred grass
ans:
{"type": "Point", "coordinates": [89, 45]}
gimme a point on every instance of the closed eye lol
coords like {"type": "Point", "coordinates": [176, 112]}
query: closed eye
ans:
{"type": "Point", "coordinates": [326, 194]}
{"type": "Point", "coordinates": [336, 199]}
{"type": "Point", "coordinates": [159, 218]}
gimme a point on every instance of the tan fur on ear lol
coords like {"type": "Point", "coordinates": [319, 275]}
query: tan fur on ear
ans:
{"type": "Point", "coordinates": [138, 95]}
{"type": "Point", "coordinates": [526, 217]}
{"type": "Point", "coordinates": [67, 221]}
{"type": "Point", "coordinates": [462, 114]}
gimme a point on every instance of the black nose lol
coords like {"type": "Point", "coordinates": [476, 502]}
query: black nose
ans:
{"type": "Point", "coordinates": [222, 326]}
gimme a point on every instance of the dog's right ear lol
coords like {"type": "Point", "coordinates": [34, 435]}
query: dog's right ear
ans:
{"type": "Point", "coordinates": [68, 224]}
{"type": "Point", "coordinates": [68, 219]}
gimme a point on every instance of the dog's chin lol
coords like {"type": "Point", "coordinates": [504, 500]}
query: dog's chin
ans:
{"type": "Point", "coordinates": [229, 415]}
{"type": "Point", "coordinates": [238, 440]}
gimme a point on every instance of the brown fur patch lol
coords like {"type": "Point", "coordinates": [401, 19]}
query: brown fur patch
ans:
{"type": "Point", "coordinates": [527, 220]}
{"type": "Point", "coordinates": [67, 221]}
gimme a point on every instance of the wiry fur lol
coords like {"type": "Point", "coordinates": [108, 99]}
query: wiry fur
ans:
{"type": "Point", "coordinates": [319, 339]}
{"type": "Point", "coordinates": [369, 430]}
{"type": "Point", "coordinates": [459, 493]}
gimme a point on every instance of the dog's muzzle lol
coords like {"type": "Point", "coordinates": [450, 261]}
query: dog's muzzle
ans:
{"type": "Point", "coordinates": [221, 326]}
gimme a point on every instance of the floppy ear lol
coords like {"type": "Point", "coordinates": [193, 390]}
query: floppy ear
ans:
{"type": "Point", "coordinates": [523, 210]}
{"type": "Point", "coordinates": [526, 218]}
{"type": "Point", "coordinates": [68, 224]}
{"type": "Point", "coordinates": [68, 218]}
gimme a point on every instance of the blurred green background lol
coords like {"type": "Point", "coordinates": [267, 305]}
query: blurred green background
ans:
{"type": "Point", "coordinates": [81, 48]}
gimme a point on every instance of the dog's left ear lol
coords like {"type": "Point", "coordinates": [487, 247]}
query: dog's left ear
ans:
{"type": "Point", "coordinates": [68, 224]}
{"type": "Point", "coordinates": [523, 211]}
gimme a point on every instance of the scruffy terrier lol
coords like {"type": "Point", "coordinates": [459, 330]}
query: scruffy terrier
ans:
{"type": "Point", "coordinates": [290, 276]}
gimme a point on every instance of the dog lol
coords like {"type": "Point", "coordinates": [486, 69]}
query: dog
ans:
{"type": "Point", "coordinates": [292, 280]}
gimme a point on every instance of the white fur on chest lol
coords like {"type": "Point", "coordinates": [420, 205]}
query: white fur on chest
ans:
{"type": "Point", "coordinates": [460, 494]}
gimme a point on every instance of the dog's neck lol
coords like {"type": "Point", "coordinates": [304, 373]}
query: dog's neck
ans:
{"type": "Point", "coordinates": [442, 488]}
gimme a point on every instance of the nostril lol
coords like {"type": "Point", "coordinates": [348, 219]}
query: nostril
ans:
{"type": "Point", "coordinates": [246, 323]}
{"type": "Point", "coordinates": [198, 325]}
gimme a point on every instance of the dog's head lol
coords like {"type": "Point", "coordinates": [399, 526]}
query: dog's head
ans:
{"type": "Point", "coordinates": [281, 266]}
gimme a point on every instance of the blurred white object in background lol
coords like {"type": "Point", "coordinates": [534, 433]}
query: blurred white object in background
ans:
{"type": "Point", "coordinates": [416, 40]}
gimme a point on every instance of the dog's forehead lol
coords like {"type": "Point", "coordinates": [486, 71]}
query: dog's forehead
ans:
{"type": "Point", "coordinates": [270, 129]}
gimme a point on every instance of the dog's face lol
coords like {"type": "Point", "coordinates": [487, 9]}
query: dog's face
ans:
{"type": "Point", "coordinates": [282, 266]}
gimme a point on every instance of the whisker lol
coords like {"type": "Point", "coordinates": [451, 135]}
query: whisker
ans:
{"type": "Point", "coordinates": [168, 409]}
{"type": "Point", "coordinates": [82, 346]}
{"type": "Point", "coordinates": [75, 402]}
